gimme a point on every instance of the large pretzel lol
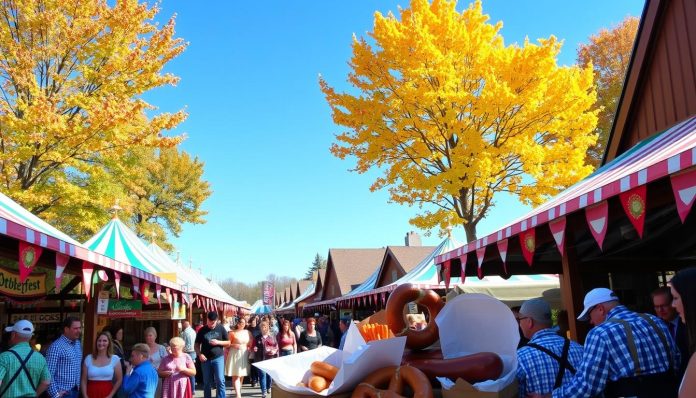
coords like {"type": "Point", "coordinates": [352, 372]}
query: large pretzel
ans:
{"type": "Point", "coordinates": [415, 339]}
{"type": "Point", "coordinates": [389, 382]}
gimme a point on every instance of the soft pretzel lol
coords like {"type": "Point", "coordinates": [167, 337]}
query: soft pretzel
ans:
{"type": "Point", "coordinates": [389, 382]}
{"type": "Point", "coordinates": [318, 383]}
{"type": "Point", "coordinates": [324, 370]}
{"type": "Point", "coordinates": [415, 339]}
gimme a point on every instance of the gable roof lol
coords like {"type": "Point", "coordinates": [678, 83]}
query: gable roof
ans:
{"type": "Point", "coordinates": [660, 86]}
{"type": "Point", "coordinates": [301, 286]}
{"type": "Point", "coordinates": [406, 257]}
{"type": "Point", "coordinates": [353, 266]}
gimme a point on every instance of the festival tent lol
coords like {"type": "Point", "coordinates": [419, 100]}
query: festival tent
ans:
{"type": "Point", "coordinates": [512, 290]}
{"type": "Point", "coordinates": [19, 223]}
{"type": "Point", "coordinates": [191, 281]}
{"type": "Point", "coordinates": [260, 308]}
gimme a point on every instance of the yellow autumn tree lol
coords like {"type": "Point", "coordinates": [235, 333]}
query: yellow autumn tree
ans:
{"type": "Point", "coordinates": [609, 52]}
{"type": "Point", "coordinates": [452, 115]}
{"type": "Point", "coordinates": [72, 75]}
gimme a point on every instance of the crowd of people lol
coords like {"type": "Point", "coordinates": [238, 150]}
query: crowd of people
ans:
{"type": "Point", "coordinates": [625, 353]}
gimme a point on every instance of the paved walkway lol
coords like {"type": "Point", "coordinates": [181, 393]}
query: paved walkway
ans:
{"type": "Point", "coordinates": [247, 391]}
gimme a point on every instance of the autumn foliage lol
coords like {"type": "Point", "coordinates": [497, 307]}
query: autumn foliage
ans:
{"type": "Point", "coordinates": [73, 75]}
{"type": "Point", "coordinates": [452, 115]}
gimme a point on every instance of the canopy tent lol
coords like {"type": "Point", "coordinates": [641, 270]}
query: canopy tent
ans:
{"type": "Point", "coordinates": [260, 308]}
{"type": "Point", "coordinates": [116, 241]}
{"type": "Point", "coordinates": [191, 281]}
{"type": "Point", "coordinates": [19, 223]}
{"type": "Point", "coordinates": [512, 291]}
{"type": "Point", "coordinates": [671, 153]}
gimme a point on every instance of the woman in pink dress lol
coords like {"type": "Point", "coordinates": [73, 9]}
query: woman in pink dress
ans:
{"type": "Point", "coordinates": [176, 370]}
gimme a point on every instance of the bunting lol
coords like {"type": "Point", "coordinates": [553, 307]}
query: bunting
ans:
{"type": "Point", "coordinates": [87, 271]}
{"type": "Point", "coordinates": [502, 249]}
{"type": "Point", "coordinates": [136, 287]}
{"type": "Point", "coordinates": [117, 284]}
{"type": "Point", "coordinates": [633, 202]}
{"type": "Point", "coordinates": [158, 293]}
{"type": "Point", "coordinates": [557, 228]}
{"type": "Point", "coordinates": [528, 244]}
{"type": "Point", "coordinates": [684, 189]}
{"type": "Point", "coordinates": [145, 297]}
{"type": "Point", "coordinates": [61, 263]}
{"type": "Point", "coordinates": [446, 273]}
{"type": "Point", "coordinates": [28, 257]}
{"type": "Point", "coordinates": [597, 219]}
{"type": "Point", "coordinates": [480, 253]}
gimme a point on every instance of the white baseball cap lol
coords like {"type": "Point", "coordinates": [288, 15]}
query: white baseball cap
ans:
{"type": "Point", "coordinates": [596, 296]}
{"type": "Point", "coordinates": [22, 326]}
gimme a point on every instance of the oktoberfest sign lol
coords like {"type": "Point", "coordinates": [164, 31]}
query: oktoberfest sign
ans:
{"type": "Point", "coordinates": [125, 309]}
{"type": "Point", "coordinates": [12, 286]}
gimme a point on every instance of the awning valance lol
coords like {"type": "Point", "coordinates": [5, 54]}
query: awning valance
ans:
{"type": "Point", "coordinates": [670, 153]}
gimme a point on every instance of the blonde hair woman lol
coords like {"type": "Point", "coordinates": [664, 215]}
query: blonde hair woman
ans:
{"type": "Point", "coordinates": [176, 369]}
{"type": "Point", "coordinates": [237, 365]}
{"type": "Point", "coordinates": [101, 372]}
{"type": "Point", "coordinates": [157, 352]}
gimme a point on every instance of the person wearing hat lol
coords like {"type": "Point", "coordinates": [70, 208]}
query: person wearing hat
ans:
{"type": "Point", "coordinates": [627, 354]}
{"type": "Point", "coordinates": [23, 371]}
{"type": "Point", "coordinates": [548, 360]}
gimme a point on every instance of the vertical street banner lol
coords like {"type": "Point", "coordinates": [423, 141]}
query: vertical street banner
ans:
{"type": "Point", "coordinates": [268, 292]}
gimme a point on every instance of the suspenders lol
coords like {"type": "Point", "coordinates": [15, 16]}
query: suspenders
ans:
{"type": "Point", "coordinates": [632, 344]}
{"type": "Point", "coordinates": [22, 367]}
{"type": "Point", "coordinates": [563, 363]}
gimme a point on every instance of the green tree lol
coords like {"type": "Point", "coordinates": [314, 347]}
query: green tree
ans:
{"type": "Point", "coordinates": [162, 190]}
{"type": "Point", "coordinates": [318, 263]}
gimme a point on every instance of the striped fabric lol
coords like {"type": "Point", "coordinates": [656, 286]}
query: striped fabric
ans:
{"type": "Point", "coordinates": [659, 156]}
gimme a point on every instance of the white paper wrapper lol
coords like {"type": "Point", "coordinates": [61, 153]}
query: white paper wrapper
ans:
{"type": "Point", "coordinates": [472, 323]}
{"type": "Point", "coordinates": [357, 360]}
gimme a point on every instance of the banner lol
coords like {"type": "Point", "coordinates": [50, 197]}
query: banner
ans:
{"type": "Point", "coordinates": [268, 292]}
{"type": "Point", "coordinates": [10, 285]}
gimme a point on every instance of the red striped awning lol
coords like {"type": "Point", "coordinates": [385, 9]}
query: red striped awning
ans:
{"type": "Point", "coordinates": [661, 155]}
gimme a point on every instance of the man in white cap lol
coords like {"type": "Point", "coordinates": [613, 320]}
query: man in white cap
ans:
{"type": "Point", "coordinates": [23, 371]}
{"type": "Point", "coordinates": [626, 354]}
{"type": "Point", "coordinates": [548, 360]}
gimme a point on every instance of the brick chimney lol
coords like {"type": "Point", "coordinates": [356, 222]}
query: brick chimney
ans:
{"type": "Point", "coordinates": [413, 239]}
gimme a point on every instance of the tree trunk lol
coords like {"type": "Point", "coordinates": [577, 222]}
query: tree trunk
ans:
{"type": "Point", "coordinates": [470, 230]}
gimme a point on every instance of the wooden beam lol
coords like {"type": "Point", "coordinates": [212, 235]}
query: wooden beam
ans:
{"type": "Point", "coordinates": [571, 286]}
{"type": "Point", "coordinates": [71, 285]}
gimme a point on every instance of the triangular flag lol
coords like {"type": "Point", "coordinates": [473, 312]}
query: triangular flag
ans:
{"type": "Point", "coordinates": [597, 219]}
{"type": "Point", "coordinates": [103, 276]}
{"type": "Point", "coordinates": [146, 292]}
{"type": "Point", "coordinates": [502, 249]}
{"type": "Point", "coordinates": [446, 273]}
{"type": "Point", "coordinates": [684, 188]}
{"type": "Point", "coordinates": [462, 261]}
{"type": "Point", "coordinates": [87, 271]}
{"type": "Point", "coordinates": [441, 271]}
{"type": "Point", "coordinates": [61, 263]}
{"type": "Point", "coordinates": [528, 243]}
{"type": "Point", "coordinates": [480, 252]}
{"type": "Point", "coordinates": [633, 202]}
{"type": "Point", "coordinates": [136, 287]}
{"type": "Point", "coordinates": [158, 294]}
{"type": "Point", "coordinates": [117, 284]}
{"type": "Point", "coordinates": [28, 256]}
{"type": "Point", "coordinates": [557, 228]}
{"type": "Point", "coordinates": [169, 297]}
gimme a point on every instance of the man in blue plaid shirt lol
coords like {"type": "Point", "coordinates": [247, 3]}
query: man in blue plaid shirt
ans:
{"type": "Point", "coordinates": [626, 354]}
{"type": "Point", "coordinates": [548, 360]}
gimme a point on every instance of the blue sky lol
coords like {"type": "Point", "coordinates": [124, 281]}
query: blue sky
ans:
{"type": "Point", "coordinates": [249, 81]}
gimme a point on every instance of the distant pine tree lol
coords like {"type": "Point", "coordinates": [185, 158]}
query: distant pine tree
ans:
{"type": "Point", "coordinates": [318, 263]}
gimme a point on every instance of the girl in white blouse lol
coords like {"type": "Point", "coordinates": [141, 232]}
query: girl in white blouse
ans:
{"type": "Point", "coordinates": [101, 372]}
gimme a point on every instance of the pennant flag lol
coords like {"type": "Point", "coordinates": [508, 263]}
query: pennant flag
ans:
{"type": "Point", "coordinates": [61, 263]}
{"type": "Point", "coordinates": [158, 294]}
{"type": "Point", "coordinates": [557, 228]}
{"type": "Point", "coordinates": [169, 297]}
{"type": "Point", "coordinates": [446, 274]}
{"type": "Point", "coordinates": [146, 292]}
{"type": "Point", "coordinates": [502, 249]}
{"type": "Point", "coordinates": [633, 202]}
{"type": "Point", "coordinates": [87, 271]}
{"type": "Point", "coordinates": [136, 286]}
{"type": "Point", "coordinates": [103, 276]}
{"type": "Point", "coordinates": [384, 298]}
{"type": "Point", "coordinates": [462, 261]}
{"type": "Point", "coordinates": [480, 252]}
{"type": "Point", "coordinates": [117, 283]}
{"type": "Point", "coordinates": [528, 243]}
{"type": "Point", "coordinates": [684, 188]}
{"type": "Point", "coordinates": [441, 271]}
{"type": "Point", "coordinates": [28, 256]}
{"type": "Point", "coordinates": [597, 219]}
